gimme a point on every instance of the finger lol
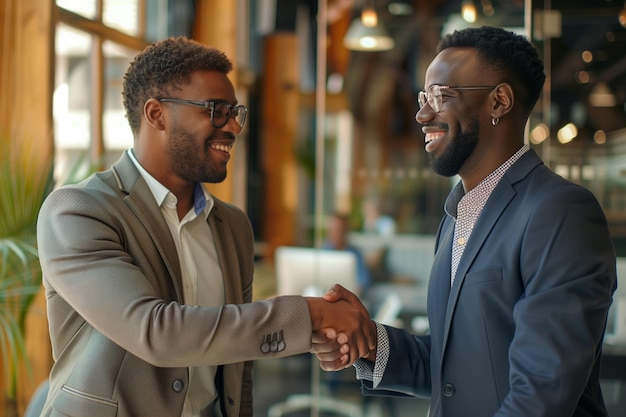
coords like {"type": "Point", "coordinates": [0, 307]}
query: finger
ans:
{"type": "Point", "coordinates": [323, 335]}
{"type": "Point", "coordinates": [362, 341]}
{"type": "Point", "coordinates": [322, 348]}
{"type": "Point", "coordinates": [342, 338]}
{"type": "Point", "coordinates": [329, 356]}
{"type": "Point", "coordinates": [344, 294]}
{"type": "Point", "coordinates": [335, 365]}
{"type": "Point", "coordinates": [361, 348]}
{"type": "Point", "coordinates": [332, 295]}
{"type": "Point", "coordinates": [372, 335]}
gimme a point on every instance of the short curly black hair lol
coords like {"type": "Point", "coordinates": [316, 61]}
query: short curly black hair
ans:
{"type": "Point", "coordinates": [507, 52]}
{"type": "Point", "coordinates": [164, 66]}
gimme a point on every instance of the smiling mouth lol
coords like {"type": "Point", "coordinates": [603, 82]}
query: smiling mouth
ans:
{"type": "Point", "coordinates": [432, 136]}
{"type": "Point", "coordinates": [221, 147]}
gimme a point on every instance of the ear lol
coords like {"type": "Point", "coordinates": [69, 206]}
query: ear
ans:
{"type": "Point", "coordinates": [503, 99]}
{"type": "Point", "coordinates": [153, 113]}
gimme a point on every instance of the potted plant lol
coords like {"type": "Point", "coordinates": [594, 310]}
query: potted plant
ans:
{"type": "Point", "coordinates": [24, 183]}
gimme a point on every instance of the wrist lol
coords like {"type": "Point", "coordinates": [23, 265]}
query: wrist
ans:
{"type": "Point", "coordinates": [316, 313]}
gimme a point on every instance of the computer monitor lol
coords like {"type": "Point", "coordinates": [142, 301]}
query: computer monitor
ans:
{"type": "Point", "coordinates": [311, 271]}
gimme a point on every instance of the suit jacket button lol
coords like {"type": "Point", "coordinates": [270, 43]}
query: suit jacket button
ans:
{"type": "Point", "coordinates": [231, 401]}
{"type": "Point", "coordinates": [178, 385]}
{"type": "Point", "coordinates": [449, 390]}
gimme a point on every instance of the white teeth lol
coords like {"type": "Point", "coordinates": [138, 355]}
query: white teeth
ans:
{"type": "Point", "coordinates": [223, 148]}
{"type": "Point", "coordinates": [433, 136]}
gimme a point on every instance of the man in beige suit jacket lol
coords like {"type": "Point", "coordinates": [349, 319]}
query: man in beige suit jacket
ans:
{"type": "Point", "coordinates": [149, 278]}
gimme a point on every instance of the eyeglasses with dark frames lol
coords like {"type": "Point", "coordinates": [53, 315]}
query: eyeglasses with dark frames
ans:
{"type": "Point", "coordinates": [434, 96]}
{"type": "Point", "coordinates": [220, 110]}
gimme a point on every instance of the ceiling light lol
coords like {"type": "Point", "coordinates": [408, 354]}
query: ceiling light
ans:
{"type": "Point", "coordinates": [468, 11]}
{"type": "Point", "coordinates": [364, 38]}
{"type": "Point", "coordinates": [540, 133]}
{"type": "Point", "coordinates": [487, 7]}
{"type": "Point", "coordinates": [601, 96]}
{"type": "Point", "coordinates": [369, 17]}
{"type": "Point", "coordinates": [621, 17]}
{"type": "Point", "coordinates": [567, 133]}
{"type": "Point", "coordinates": [587, 56]}
{"type": "Point", "coordinates": [366, 34]}
{"type": "Point", "coordinates": [599, 137]}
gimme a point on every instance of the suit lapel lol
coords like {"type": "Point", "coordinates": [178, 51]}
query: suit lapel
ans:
{"type": "Point", "coordinates": [439, 283]}
{"type": "Point", "coordinates": [226, 252]}
{"type": "Point", "coordinates": [496, 205]}
{"type": "Point", "coordinates": [140, 200]}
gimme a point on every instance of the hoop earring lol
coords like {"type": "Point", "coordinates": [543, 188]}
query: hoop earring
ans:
{"type": "Point", "coordinates": [495, 121]}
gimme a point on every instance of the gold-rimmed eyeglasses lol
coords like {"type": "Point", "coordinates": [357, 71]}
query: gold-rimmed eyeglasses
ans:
{"type": "Point", "coordinates": [220, 110]}
{"type": "Point", "coordinates": [434, 95]}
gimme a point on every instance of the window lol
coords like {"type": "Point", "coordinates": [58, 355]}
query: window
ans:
{"type": "Point", "coordinates": [95, 41]}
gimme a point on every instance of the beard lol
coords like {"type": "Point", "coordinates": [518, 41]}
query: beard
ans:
{"type": "Point", "coordinates": [457, 151]}
{"type": "Point", "coordinates": [191, 162]}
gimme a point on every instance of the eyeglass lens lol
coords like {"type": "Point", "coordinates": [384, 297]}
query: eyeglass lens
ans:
{"type": "Point", "coordinates": [222, 112]}
{"type": "Point", "coordinates": [432, 97]}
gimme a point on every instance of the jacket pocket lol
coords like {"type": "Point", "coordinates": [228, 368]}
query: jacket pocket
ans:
{"type": "Point", "coordinates": [493, 274]}
{"type": "Point", "coordinates": [76, 403]}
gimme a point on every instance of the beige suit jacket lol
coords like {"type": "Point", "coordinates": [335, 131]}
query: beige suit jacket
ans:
{"type": "Point", "coordinates": [122, 340]}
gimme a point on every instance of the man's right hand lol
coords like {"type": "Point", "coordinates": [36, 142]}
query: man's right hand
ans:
{"type": "Point", "coordinates": [348, 317]}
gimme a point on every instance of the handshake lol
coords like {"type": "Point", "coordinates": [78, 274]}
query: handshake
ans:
{"type": "Point", "coordinates": [342, 329]}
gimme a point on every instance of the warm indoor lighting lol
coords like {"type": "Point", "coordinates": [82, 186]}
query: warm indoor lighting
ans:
{"type": "Point", "coordinates": [582, 77]}
{"type": "Point", "coordinates": [468, 11]}
{"type": "Point", "coordinates": [621, 17]}
{"type": "Point", "coordinates": [539, 133]}
{"type": "Point", "coordinates": [366, 34]}
{"type": "Point", "coordinates": [487, 7]}
{"type": "Point", "coordinates": [363, 38]}
{"type": "Point", "coordinates": [567, 133]}
{"type": "Point", "coordinates": [369, 18]}
{"type": "Point", "coordinates": [599, 137]}
{"type": "Point", "coordinates": [587, 56]}
{"type": "Point", "coordinates": [601, 96]}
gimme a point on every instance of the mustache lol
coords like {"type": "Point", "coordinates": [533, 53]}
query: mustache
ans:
{"type": "Point", "coordinates": [222, 136]}
{"type": "Point", "coordinates": [439, 125]}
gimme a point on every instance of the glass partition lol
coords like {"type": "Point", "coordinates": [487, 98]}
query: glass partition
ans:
{"type": "Point", "coordinates": [374, 165]}
{"type": "Point", "coordinates": [580, 126]}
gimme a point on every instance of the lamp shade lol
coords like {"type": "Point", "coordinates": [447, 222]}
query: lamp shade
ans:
{"type": "Point", "coordinates": [364, 38]}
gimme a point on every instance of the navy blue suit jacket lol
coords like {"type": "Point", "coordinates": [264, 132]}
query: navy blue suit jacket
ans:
{"type": "Point", "coordinates": [520, 332]}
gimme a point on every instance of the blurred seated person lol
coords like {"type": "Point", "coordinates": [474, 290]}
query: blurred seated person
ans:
{"type": "Point", "coordinates": [376, 222]}
{"type": "Point", "coordinates": [337, 229]}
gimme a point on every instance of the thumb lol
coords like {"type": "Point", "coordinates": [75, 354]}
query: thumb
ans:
{"type": "Point", "coordinates": [332, 295]}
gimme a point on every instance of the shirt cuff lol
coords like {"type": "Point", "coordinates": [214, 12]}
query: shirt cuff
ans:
{"type": "Point", "coordinates": [375, 371]}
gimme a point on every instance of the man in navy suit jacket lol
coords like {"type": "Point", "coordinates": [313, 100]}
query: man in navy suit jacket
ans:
{"type": "Point", "coordinates": [524, 268]}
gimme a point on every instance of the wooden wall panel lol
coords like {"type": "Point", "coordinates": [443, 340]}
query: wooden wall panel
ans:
{"type": "Point", "coordinates": [216, 25]}
{"type": "Point", "coordinates": [26, 83]}
{"type": "Point", "coordinates": [279, 127]}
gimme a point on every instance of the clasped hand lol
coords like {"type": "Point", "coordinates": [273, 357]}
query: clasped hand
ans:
{"type": "Point", "coordinates": [342, 329]}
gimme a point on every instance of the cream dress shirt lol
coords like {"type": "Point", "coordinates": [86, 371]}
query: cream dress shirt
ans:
{"type": "Point", "coordinates": [203, 282]}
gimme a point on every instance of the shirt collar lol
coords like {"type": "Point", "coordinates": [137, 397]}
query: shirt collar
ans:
{"type": "Point", "coordinates": [457, 193]}
{"type": "Point", "coordinates": [202, 199]}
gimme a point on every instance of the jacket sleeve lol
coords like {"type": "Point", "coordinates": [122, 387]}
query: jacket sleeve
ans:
{"type": "Point", "coordinates": [102, 263]}
{"type": "Point", "coordinates": [407, 373]}
{"type": "Point", "coordinates": [567, 265]}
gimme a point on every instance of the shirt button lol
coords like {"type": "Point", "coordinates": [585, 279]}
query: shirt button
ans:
{"type": "Point", "coordinates": [448, 390]}
{"type": "Point", "coordinates": [461, 241]}
{"type": "Point", "coordinates": [178, 385]}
